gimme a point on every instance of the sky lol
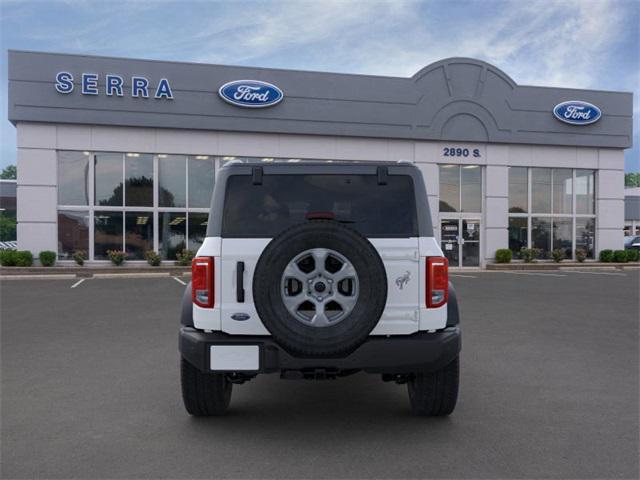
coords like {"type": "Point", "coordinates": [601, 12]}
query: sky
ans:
{"type": "Point", "coordinates": [566, 43]}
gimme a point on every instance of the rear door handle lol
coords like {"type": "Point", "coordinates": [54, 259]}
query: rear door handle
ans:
{"type": "Point", "coordinates": [240, 282]}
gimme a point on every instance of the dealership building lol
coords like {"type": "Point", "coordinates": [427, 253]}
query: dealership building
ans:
{"type": "Point", "coordinates": [117, 153]}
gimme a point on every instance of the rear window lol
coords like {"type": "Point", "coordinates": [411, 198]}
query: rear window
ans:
{"type": "Point", "coordinates": [282, 201]}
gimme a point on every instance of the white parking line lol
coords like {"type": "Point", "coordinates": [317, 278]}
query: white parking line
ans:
{"type": "Point", "coordinates": [463, 276]}
{"type": "Point", "coordinates": [78, 283]}
{"type": "Point", "coordinates": [538, 274]}
{"type": "Point", "coordinates": [178, 280]}
{"type": "Point", "coordinates": [598, 273]}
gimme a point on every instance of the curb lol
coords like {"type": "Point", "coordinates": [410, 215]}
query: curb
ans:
{"type": "Point", "coordinates": [561, 266]}
{"type": "Point", "coordinates": [89, 272]}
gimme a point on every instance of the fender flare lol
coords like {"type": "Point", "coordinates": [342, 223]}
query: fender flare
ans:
{"type": "Point", "coordinates": [453, 312]}
{"type": "Point", "coordinates": [186, 312]}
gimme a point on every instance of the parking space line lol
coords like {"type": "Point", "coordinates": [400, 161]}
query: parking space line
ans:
{"type": "Point", "coordinates": [463, 276]}
{"type": "Point", "coordinates": [178, 280]}
{"type": "Point", "coordinates": [78, 283]}
{"type": "Point", "coordinates": [599, 273]}
{"type": "Point", "coordinates": [538, 274]}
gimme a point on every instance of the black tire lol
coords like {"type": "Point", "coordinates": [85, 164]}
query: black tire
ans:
{"type": "Point", "coordinates": [435, 394]}
{"type": "Point", "coordinates": [204, 394]}
{"type": "Point", "coordinates": [335, 340]}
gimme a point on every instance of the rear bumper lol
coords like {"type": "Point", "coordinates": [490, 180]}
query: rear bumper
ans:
{"type": "Point", "coordinates": [400, 354]}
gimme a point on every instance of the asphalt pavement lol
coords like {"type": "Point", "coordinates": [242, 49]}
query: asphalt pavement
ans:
{"type": "Point", "coordinates": [549, 389]}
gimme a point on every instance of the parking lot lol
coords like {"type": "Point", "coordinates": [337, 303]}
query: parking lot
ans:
{"type": "Point", "coordinates": [549, 389]}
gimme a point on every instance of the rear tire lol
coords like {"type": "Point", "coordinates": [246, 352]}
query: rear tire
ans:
{"type": "Point", "coordinates": [434, 394]}
{"type": "Point", "coordinates": [204, 394]}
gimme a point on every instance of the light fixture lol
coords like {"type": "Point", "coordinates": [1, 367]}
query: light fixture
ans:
{"type": "Point", "coordinates": [447, 166]}
{"type": "Point", "coordinates": [470, 166]}
{"type": "Point", "coordinates": [133, 154]}
{"type": "Point", "coordinates": [293, 160]}
{"type": "Point", "coordinates": [267, 159]}
{"type": "Point", "coordinates": [177, 220]}
{"type": "Point", "coordinates": [228, 158]}
{"type": "Point", "coordinates": [142, 220]}
{"type": "Point", "coordinates": [86, 153]}
{"type": "Point", "coordinates": [202, 157]}
{"type": "Point", "coordinates": [162, 155]}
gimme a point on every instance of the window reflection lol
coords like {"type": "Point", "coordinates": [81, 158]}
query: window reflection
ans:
{"type": "Point", "coordinates": [585, 235]}
{"type": "Point", "coordinates": [541, 190]}
{"type": "Point", "coordinates": [73, 178]}
{"type": "Point", "coordinates": [562, 235]}
{"type": "Point", "coordinates": [449, 188]}
{"type": "Point", "coordinates": [108, 179]}
{"type": "Point", "coordinates": [172, 178]}
{"type": "Point", "coordinates": [197, 230]}
{"type": "Point", "coordinates": [138, 234]}
{"type": "Point", "coordinates": [172, 231]}
{"type": "Point", "coordinates": [138, 169]}
{"type": "Point", "coordinates": [73, 232]}
{"type": "Point", "coordinates": [541, 235]}
{"type": "Point", "coordinates": [585, 191]}
{"type": "Point", "coordinates": [518, 190]}
{"type": "Point", "coordinates": [471, 181]}
{"type": "Point", "coordinates": [107, 232]}
{"type": "Point", "coordinates": [562, 190]}
{"type": "Point", "coordinates": [201, 178]}
{"type": "Point", "coordinates": [517, 235]}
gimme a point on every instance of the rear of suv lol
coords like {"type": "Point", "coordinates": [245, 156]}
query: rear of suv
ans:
{"type": "Point", "coordinates": [320, 270]}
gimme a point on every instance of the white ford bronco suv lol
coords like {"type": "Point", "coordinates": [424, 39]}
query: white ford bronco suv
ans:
{"type": "Point", "coordinates": [320, 270]}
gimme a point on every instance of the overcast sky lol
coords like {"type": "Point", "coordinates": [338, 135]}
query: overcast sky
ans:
{"type": "Point", "coordinates": [566, 43]}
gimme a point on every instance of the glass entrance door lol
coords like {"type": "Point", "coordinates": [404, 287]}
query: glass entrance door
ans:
{"type": "Point", "coordinates": [460, 241]}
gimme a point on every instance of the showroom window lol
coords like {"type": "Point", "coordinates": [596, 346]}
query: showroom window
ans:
{"type": "Point", "coordinates": [460, 188]}
{"type": "Point", "coordinates": [133, 202]}
{"type": "Point", "coordinates": [551, 208]}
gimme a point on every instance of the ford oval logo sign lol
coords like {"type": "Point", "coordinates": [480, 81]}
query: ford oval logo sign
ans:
{"type": "Point", "coordinates": [577, 112]}
{"type": "Point", "coordinates": [251, 93]}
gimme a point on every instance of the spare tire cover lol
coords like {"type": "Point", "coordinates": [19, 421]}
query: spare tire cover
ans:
{"type": "Point", "coordinates": [320, 288]}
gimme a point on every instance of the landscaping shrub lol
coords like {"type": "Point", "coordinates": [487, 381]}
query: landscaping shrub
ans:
{"type": "Point", "coordinates": [526, 254]}
{"type": "Point", "coordinates": [184, 257]}
{"type": "Point", "coordinates": [47, 258]}
{"type": "Point", "coordinates": [633, 255]}
{"type": "Point", "coordinates": [503, 255]}
{"type": "Point", "coordinates": [8, 258]}
{"type": "Point", "coordinates": [606, 256]}
{"type": "Point", "coordinates": [24, 258]}
{"type": "Point", "coordinates": [558, 255]}
{"type": "Point", "coordinates": [117, 257]}
{"type": "Point", "coordinates": [620, 256]}
{"type": "Point", "coordinates": [153, 258]}
{"type": "Point", "coordinates": [79, 256]}
{"type": "Point", "coordinates": [581, 254]}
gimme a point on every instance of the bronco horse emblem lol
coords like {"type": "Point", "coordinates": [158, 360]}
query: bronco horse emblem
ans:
{"type": "Point", "coordinates": [402, 280]}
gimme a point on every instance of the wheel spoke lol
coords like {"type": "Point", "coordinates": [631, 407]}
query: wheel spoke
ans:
{"type": "Point", "coordinates": [319, 258]}
{"type": "Point", "coordinates": [293, 271]}
{"type": "Point", "coordinates": [347, 302]}
{"type": "Point", "coordinates": [320, 318]}
{"type": "Point", "coordinates": [292, 303]}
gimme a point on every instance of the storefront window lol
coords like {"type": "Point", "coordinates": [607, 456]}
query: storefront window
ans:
{"type": "Point", "coordinates": [517, 235]}
{"type": "Point", "coordinates": [138, 234]}
{"type": "Point", "coordinates": [73, 178]}
{"type": "Point", "coordinates": [541, 190]}
{"type": "Point", "coordinates": [562, 235]}
{"type": "Point", "coordinates": [585, 192]}
{"type": "Point", "coordinates": [107, 232]}
{"type": "Point", "coordinates": [562, 190]}
{"type": "Point", "coordinates": [138, 170]}
{"type": "Point", "coordinates": [541, 235]}
{"type": "Point", "coordinates": [197, 230]}
{"type": "Point", "coordinates": [108, 179]}
{"type": "Point", "coordinates": [172, 231]}
{"type": "Point", "coordinates": [172, 178]}
{"type": "Point", "coordinates": [518, 190]}
{"type": "Point", "coordinates": [73, 232]}
{"type": "Point", "coordinates": [449, 188]}
{"type": "Point", "coordinates": [201, 179]}
{"type": "Point", "coordinates": [585, 235]}
{"type": "Point", "coordinates": [471, 191]}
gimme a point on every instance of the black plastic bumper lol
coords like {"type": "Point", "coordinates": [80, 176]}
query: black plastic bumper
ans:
{"type": "Point", "coordinates": [379, 354]}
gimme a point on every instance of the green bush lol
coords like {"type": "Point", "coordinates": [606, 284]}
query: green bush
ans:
{"type": "Point", "coordinates": [79, 256]}
{"type": "Point", "coordinates": [581, 254]}
{"type": "Point", "coordinates": [117, 257]}
{"type": "Point", "coordinates": [8, 258]}
{"type": "Point", "coordinates": [633, 255]}
{"type": "Point", "coordinates": [558, 255]}
{"type": "Point", "coordinates": [503, 255]}
{"type": "Point", "coordinates": [606, 256]}
{"type": "Point", "coordinates": [526, 254]}
{"type": "Point", "coordinates": [153, 258]}
{"type": "Point", "coordinates": [24, 258]}
{"type": "Point", "coordinates": [184, 257]}
{"type": "Point", "coordinates": [620, 256]}
{"type": "Point", "coordinates": [47, 258]}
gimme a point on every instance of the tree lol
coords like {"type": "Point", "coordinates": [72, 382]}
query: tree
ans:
{"type": "Point", "coordinates": [632, 180]}
{"type": "Point", "coordinates": [9, 172]}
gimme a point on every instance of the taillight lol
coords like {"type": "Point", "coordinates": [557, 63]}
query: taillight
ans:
{"type": "Point", "coordinates": [437, 281]}
{"type": "Point", "coordinates": [202, 281]}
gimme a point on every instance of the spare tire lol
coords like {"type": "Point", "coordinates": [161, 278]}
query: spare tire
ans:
{"type": "Point", "coordinates": [320, 288]}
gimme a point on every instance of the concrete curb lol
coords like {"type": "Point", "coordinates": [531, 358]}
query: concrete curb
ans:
{"type": "Point", "coordinates": [89, 272]}
{"type": "Point", "coordinates": [562, 266]}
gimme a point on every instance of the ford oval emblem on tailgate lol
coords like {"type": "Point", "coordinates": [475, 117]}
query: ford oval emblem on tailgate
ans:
{"type": "Point", "coordinates": [250, 93]}
{"type": "Point", "coordinates": [241, 317]}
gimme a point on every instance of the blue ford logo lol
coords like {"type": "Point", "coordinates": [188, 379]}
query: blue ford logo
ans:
{"type": "Point", "coordinates": [576, 112]}
{"type": "Point", "coordinates": [250, 93]}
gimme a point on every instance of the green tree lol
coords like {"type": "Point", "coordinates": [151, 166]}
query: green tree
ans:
{"type": "Point", "coordinates": [632, 179]}
{"type": "Point", "coordinates": [9, 172]}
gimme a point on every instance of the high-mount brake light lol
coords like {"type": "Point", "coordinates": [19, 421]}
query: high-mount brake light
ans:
{"type": "Point", "coordinates": [202, 284]}
{"type": "Point", "coordinates": [437, 281]}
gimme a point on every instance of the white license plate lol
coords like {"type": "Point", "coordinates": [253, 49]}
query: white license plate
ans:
{"type": "Point", "coordinates": [234, 357]}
